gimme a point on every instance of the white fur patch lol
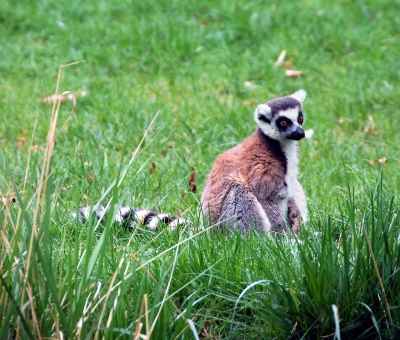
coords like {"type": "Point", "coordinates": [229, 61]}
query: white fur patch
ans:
{"type": "Point", "coordinates": [270, 130]}
{"type": "Point", "coordinates": [153, 223]}
{"type": "Point", "coordinates": [161, 216]}
{"type": "Point", "coordinates": [122, 211]}
{"type": "Point", "coordinates": [309, 133]}
{"type": "Point", "coordinates": [299, 95]}
{"type": "Point", "coordinates": [292, 114]}
{"type": "Point", "coordinates": [264, 110]}
{"type": "Point", "coordinates": [291, 153]}
{"type": "Point", "coordinates": [141, 214]}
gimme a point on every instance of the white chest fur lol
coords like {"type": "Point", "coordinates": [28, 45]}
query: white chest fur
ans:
{"type": "Point", "coordinates": [290, 150]}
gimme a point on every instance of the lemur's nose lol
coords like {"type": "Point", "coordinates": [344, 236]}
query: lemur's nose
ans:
{"type": "Point", "coordinates": [297, 134]}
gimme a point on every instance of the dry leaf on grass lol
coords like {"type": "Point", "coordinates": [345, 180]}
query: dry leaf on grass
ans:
{"type": "Point", "coordinates": [55, 98]}
{"type": "Point", "coordinates": [288, 64]}
{"type": "Point", "coordinates": [21, 142]}
{"type": "Point", "coordinates": [382, 160]}
{"type": "Point", "coordinates": [5, 200]}
{"type": "Point", "coordinates": [248, 102]}
{"type": "Point", "coordinates": [90, 177]}
{"type": "Point", "coordinates": [281, 58]}
{"type": "Point", "coordinates": [153, 168]}
{"type": "Point", "coordinates": [192, 181]}
{"type": "Point", "coordinates": [293, 73]}
{"type": "Point", "coordinates": [249, 85]}
{"type": "Point", "coordinates": [370, 128]}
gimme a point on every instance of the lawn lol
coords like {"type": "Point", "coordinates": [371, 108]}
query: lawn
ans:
{"type": "Point", "coordinates": [199, 68]}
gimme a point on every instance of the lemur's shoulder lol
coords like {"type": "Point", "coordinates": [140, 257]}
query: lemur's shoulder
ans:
{"type": "Point", "coordinates": [252, 153]}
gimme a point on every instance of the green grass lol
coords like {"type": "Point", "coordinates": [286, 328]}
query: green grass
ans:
{"type": "Point", "coordinates": [190, 60]}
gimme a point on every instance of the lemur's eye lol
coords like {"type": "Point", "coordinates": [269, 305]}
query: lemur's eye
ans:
{"type": "Point", "coordinates": [283, 123]}
{"type": "Point", "coordinates": [300, 119]}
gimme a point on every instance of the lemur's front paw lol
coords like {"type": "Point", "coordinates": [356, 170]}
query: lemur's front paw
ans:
{"type": "Point", "coordinates": [279, 228]}
{"type": "Point", "coordinates": [283, 192]}
{"type": "Point", "coordinates": [294, 220]}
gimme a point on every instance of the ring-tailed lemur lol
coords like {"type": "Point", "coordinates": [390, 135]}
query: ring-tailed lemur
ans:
{"type": "Point", "coordinates": [255, 183]}
{"type": "Point", "coordinates": [252, 184]}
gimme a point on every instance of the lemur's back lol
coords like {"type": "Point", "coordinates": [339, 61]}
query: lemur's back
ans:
{"type": "Point", "coordinates": [257, 163]}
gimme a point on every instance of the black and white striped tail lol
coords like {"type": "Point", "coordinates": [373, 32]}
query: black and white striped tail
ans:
{"type": "Point", "coordinates": [131, 217]}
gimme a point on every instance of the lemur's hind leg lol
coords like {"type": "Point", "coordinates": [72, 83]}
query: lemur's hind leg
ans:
{"type": "Point", "coordinates": [242, 211]}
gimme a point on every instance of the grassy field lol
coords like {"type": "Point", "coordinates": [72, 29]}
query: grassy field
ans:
{"type": "Point", "coordinates": [203, 66]}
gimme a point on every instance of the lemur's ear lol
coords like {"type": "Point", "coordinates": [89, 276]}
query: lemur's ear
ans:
{"type": "Point", "coordinates": [299, 95]}
{"type": "Point", "coordinates": [263, 113]}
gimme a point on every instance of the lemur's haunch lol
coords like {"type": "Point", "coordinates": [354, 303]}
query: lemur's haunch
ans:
{"type": "Point", "coordinates": [254, 184]}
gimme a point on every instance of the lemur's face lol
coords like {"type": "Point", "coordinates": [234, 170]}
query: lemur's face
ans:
{"type": "Point", "coordinates": [282, 118]}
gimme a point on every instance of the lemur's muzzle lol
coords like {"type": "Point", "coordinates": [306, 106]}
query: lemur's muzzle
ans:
{"type": "Point", "coordinates": [295, 133]}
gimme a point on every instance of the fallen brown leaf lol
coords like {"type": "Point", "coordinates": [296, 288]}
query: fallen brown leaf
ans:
{"type": "Point", "coordinates": [153, 168]}
{"type": "Point", "coordinates": [192, 181]}
{"type": "Point", "coordinates": [382, 160]}
{"type": "Point", "coordinates": [288, 64]}
{"type": "Point", "coordinates": [21, 142]}
{"type": "Point", "coordinates": [90, 177]}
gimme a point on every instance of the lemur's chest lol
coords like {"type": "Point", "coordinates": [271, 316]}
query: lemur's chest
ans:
{"type": "Point", "coordinates": [291, 153]}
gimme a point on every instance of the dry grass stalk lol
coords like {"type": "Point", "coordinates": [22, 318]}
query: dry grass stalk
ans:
{"type": "Point", "coordinates": [143, 306]}
{"type": "Point", "coordinates": [107, 297]}
{"type": "Point", "coordinates": [375, 266]}
{"type": "Point", "coordinates": [42, 189]}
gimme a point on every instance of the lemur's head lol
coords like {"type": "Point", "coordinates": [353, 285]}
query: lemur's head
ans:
{"type": "Point", "coordinates": [282, 118]}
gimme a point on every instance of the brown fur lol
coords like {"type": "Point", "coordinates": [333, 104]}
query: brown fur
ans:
{"type": "Point", "coordinates": [258, 164]}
